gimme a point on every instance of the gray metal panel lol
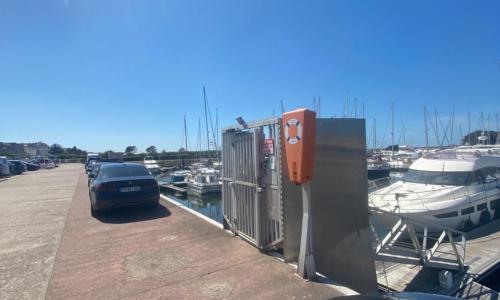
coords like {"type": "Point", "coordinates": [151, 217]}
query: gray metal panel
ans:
{"type": "Point", "coordinates": [339, 196]}
{"type": "Point", "coordinates": [292, 217]}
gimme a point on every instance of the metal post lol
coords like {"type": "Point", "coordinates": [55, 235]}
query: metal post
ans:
{"type": "Point", "coordinates": [307, 266]}
{"type": "Point", "coordinates": [257, 206]}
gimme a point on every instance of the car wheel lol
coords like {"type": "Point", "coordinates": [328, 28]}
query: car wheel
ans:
{"type": "Point", "coordinates": [93, 212]}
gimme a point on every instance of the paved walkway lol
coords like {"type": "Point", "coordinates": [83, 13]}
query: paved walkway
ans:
{"type": "Point", "coordinates": [165, 253]}
{"type": "Point", "coordinates": [132, 253]}
{"type": "Point", "coordinates": [33, 209]}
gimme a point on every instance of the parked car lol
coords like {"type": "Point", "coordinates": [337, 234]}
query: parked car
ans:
{"type": "Point", "coordinates": [90, 165]}
{"type": "Point", "coordinates": [17, 167]}
{"type": "Point", "coordinates": [122, 184]}
{"type": "Point", "coordinates": [4, 166]}
{"type": "Point", "coordinates": [91, 159]}
{"type": "Point", "coordinates": [46, 163]}
{"type": "Point", "coordinates": [32, 166]}
{"type": "Point", "coordinates": [94, 171]}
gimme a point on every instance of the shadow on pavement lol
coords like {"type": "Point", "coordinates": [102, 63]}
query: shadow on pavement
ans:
{"type": "Point", "coordinates": [132, 214]}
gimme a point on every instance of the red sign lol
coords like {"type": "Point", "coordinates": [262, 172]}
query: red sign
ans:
{"type": "Point", "coordinates": [267, 146]}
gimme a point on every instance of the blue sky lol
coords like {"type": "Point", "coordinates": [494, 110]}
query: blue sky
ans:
{"type": "Point", "coordinates": [107, 74]}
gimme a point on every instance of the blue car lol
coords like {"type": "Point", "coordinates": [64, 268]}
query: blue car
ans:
{"type": "Point", "coordinates": [17, 167]}
{"type": "Point", "coordinates": [122, 184]}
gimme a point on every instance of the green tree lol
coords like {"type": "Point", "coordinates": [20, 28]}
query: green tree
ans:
{"type": "Point", "coordinates": [106, 153]}
{"type": "Point", "coordinates": [75, 151]}
{"type": "Point", "coordinates": [151, 150]}
{"type": "Point", "coordinates": [130, 150]}
{"type": "Point", "coordinates": [56, 150]}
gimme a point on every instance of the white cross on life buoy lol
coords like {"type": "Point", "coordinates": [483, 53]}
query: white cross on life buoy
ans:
{"type": "Point", "coordinates": [295, 139]}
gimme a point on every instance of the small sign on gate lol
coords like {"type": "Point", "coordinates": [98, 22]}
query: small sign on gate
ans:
{"type": "Point", "coordinates": [267, 146]}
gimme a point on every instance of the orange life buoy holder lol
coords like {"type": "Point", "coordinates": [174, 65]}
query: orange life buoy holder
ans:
{"type": "Point", "coordinates": [293, 122]}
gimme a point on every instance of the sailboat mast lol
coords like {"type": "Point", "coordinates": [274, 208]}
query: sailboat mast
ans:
{"type": "Point", "coordinates": [468, 120]}
{"type": "Point", "coordinates": [488, 128]}
{"type": "Point", "coordinates": [206, 118]}
{"type": "Point", "coordinates": [217, 128]}
{"type": "Point", "coordinates": [452, 124]}
{"type": "Point", "coordinates": [392, 131]}
{"type": "Point", "coordinates": [498, 133]}
{"type": "Point", "coordinates": [426, 130]}
{"type": "Point", "coordinates": [185, 135]}
{"type": "Point", "coordinates": [437, 128]}
{"type": "Point", "coordinates": [199, 138]}
{"type": "Point", "coordinates": [375, 134]}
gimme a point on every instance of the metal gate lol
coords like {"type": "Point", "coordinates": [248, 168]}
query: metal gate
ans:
{"type": "Point", "coordinates": [251, 175]}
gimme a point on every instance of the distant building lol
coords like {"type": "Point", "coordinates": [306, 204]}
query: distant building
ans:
{"type": "Point", "coordinates": [23, 150]}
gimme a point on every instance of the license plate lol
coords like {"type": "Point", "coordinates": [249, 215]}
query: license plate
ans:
{"type": "Point", "coordinates": [130, 189]}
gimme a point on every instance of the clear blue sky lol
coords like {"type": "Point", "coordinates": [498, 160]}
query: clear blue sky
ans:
{"type": "Point", "coordinates": [107, 74]}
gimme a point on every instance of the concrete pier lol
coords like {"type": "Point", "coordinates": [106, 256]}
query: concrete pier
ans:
{"type": "Point", "coordinates": [54, 249]}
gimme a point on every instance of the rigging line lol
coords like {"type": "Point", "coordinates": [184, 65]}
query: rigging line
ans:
{"type": "Point", "coordinates": [382, 144]}
{"type": "Point", "coordinates": [188, 144]}
{"type": "Point", "coordinates": [213, 131]}
{"type": "Point", "coordinates": [445, 131]}
{"type": "Point", "coordinates": [206, 119]}
{"type": "Point", "coordinates": [433, 126]}
{"type": "Point", "coordinates": [401, 134]}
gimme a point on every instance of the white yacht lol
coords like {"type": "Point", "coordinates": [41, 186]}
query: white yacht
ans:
{"type": "Point", "coordinates": [152, 166]}
{"type": "Point", "coordinates": [205, 181]}
{"type": "Point", "coordinates": [450, 188]}
{"type": "Point", "coordinates": [403, 158]}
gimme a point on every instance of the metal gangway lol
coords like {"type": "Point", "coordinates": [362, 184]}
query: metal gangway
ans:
{"type": "Point", "coordinates": [415, 242]}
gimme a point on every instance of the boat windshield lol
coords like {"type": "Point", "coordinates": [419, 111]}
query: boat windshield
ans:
{"type": "Point", "coordinates": [438, 178]}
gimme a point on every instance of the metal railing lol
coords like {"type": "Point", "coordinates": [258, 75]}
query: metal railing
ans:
{"type": "Point", "coordinates": [412, 241]}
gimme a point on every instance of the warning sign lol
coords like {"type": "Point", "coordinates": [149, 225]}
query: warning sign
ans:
{"type": "Point", "coordinates": [267, 146]}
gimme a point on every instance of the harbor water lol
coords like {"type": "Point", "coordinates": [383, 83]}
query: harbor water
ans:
{"type": "Point", "coordinates": [209, 205]}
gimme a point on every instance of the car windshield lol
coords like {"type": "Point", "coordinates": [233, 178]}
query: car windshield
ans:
{"type": "Point", "coordinates": [119, 170]}
{"type": "Point", "coordinates": [437, 178]}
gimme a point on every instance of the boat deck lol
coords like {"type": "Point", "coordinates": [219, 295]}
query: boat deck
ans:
{"type": "Point", "coordinates": [482, 256]}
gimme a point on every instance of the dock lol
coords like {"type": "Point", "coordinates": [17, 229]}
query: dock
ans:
{"type": "Point", "coordinates": [54, 249]}
{"type": "Point", "coordinates": [174, 188]}
{"type": "Point", "coordinates": [482, 255]}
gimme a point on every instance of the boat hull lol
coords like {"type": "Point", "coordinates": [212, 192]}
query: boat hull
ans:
{"type": "Point", "coordinates": [205, 189]}
{"type": "Point", "coordinates": [453, 217]}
